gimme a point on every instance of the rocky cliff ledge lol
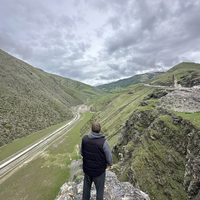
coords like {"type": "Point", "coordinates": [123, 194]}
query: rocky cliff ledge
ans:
{"type": "Point", "coordinates": [159, 153]}
{"type": "Point", "coordinates": [114, 189]}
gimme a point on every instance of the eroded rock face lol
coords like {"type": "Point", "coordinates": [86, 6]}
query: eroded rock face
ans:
{"type": "Point", "coordinates": [114, 190]}
{"type": "Point", "coordinates": [159, 153]}
{"type": "Point", "coordinates": [190, 80]}
{"type": "Point", "coordinates": [184, 100]}
{"type": "Point", "coordinates": [192, 166]}
{"type": "Point", "coordinates": [157, 94]}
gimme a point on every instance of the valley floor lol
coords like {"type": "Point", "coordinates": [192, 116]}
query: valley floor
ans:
{"type": "Point", "coordinates": [41, 177]}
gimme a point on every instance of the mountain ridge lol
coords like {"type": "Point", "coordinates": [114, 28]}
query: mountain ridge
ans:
{"type": "Point", "coordinates": [186, 73]}
{"type": "Point", "coordinates": [123, 83]}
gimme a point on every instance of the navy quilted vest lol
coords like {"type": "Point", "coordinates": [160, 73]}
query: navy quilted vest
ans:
{"type": "Point", "coordinates": [94, 161]}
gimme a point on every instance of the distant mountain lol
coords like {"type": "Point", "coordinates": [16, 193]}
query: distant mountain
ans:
{"type": "Point", "coordinates": [187, 74]}
{"type": "Point", "coordinates": [89, 91]}
{"type": "Point", "coordinates": [31, 99]}
{"type": "Point", "coordinates": [118, 85]}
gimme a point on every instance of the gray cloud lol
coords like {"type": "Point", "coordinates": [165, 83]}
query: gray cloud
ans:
{"type": "Point", "coordinates": [67, 21]}
{"type": "Point", "coordinates": [114, 23]}
{"type": "Point", "coordinates": [75, 71]}
{"type": "Point", "coordinates": [122, 38]}
{"type": "Point", "coordinates": [99, 33]}
{"type": "Point", "coordinates": [114, 66]}
{"type": "Point", "coordinates": [158, 37]}
{"type": "Point", "coordinates": [100, 5]}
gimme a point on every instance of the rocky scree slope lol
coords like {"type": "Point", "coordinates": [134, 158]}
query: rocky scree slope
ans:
{"type": "Point", "coordinates": [159, 152]}
{"type": "Point", "coordinates": [183, 100]}
{"type": "Point", "coordinates": [114, 190]}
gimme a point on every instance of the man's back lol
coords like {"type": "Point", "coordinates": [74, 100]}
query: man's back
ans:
{"type": "Point", "coordinates": [96, 155]}
{"type": "Point", "coordinates": [94, 161]}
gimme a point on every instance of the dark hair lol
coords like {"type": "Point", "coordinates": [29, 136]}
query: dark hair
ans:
{"type": "Point", "coordinates": [96, 127]}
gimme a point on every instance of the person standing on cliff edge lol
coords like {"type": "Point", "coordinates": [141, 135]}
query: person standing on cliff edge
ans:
{"type": "Point", "coordinates": [96, 155]}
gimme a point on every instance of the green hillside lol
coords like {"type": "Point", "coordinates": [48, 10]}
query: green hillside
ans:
{"type": "Point", "coordinates": [31, 99]}
{"type": "Point", "coordinates": [119, 85]}
{"type": "Point", "coordinates": [87, 90]}
{"type": "Point", "coordinates": [187, 74]}
{"type": "Point", "coordinates": [152, 141]}
{"type": "Point", "coordinates": [154, 150]}
{"type": "Point", "coordinates": [113, 109]}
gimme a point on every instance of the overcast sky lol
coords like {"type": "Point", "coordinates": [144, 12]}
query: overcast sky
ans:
{"type": "Point", "coordinates": [100, 41]}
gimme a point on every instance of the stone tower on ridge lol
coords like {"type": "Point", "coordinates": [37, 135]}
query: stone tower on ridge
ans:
{"type": "Point", "coordinates": [174, 82]}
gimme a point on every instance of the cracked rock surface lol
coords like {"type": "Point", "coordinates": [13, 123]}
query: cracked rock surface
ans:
{"type": "Point", "coordinates": [182, 100]}
{"type": "Point", "coordinates": [114, 190]}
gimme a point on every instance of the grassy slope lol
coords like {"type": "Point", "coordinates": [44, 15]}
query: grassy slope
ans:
{"type": "Point", "coordinates": [89, 91]}
{"type": "Point", "coordinates": [31, 99]}
{"type": "Point", "coordinates": [194, 118]}
{"type": "Point", "coordinates": [185, 73]}
{"type": "Point", "coordinates": [158, 163]}
{"type": "Point", "coordinates": [119, 85]}
{"type": "Point", "coordinates": [43, 177]}
{"type": "Point", "coordinates": [19, 144]}
{"type": "Point", "coordinates": [155, 153]}
{"type": "Point", "coordinates": [114, 109]}
{"type": "Point", "coordinates": [113, 116]}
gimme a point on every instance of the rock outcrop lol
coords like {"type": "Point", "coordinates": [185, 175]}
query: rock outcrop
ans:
{"type": "Point", "coordinates": [159, 153]}
{"type": "Point", "coordinates": [184, 100]}
{"type": "Point", "coordinates": [189, 80]}
{"type": "Point", "coordinates": [114, 190]}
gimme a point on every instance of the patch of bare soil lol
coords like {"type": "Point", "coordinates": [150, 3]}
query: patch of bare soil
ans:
{"type": "Point", "coordinates": [75, 168]}
{"type": "Point", "coordinates": [183, 100]}
{"type": "Point", "coordinates": [84, 108]}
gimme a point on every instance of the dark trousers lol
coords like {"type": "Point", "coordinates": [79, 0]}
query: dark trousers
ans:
{"type": "Point", "coordinates": [99, 184]}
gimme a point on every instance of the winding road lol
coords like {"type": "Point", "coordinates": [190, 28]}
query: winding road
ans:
{"type": "Point", "coordinates": [18, 158]}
